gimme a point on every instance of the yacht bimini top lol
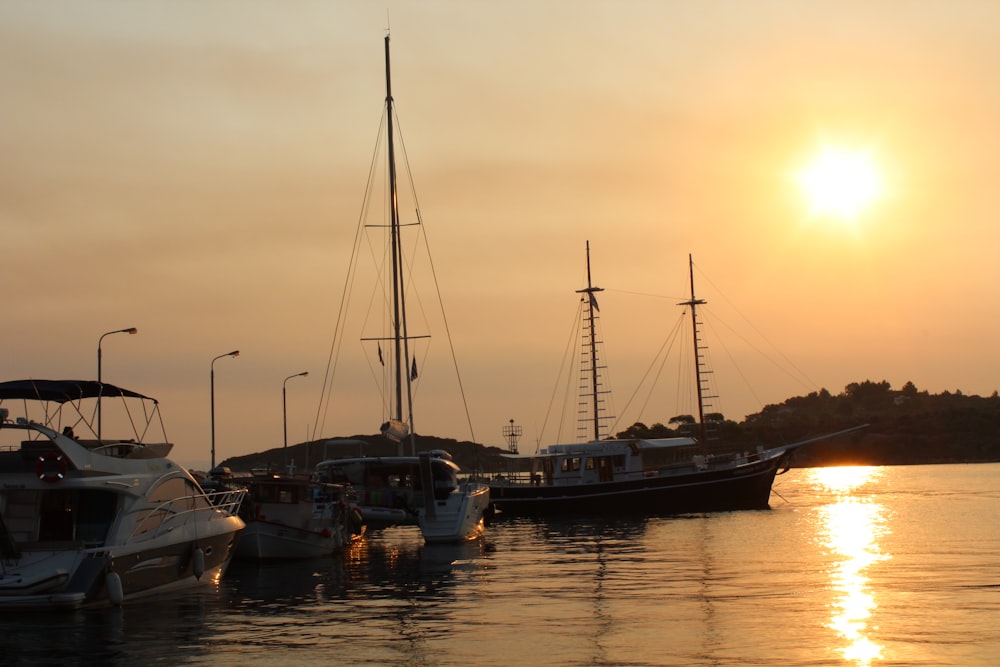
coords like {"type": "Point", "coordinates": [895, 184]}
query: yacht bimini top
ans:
{"type": "Point", "coordinates": [62, 391]}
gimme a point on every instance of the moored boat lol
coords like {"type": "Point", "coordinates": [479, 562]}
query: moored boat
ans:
{"type": "Point", "coordinates": [640, 476]}
{"type": "Point", "coordinates": [423, 490]}
{"type": "Point", "coordinates": [291, 517]}
{"type": "Point", "coordinates": [416, 489]}
{"type": "Point", "coordinates": [88, 519]}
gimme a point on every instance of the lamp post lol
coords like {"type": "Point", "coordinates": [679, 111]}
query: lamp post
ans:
{"type": "Point", "coordinates": [130, 330]}
{"type": "Point", "coordinates": [284, 411]}
{"type": "Point", "coordinates": [234, 353]}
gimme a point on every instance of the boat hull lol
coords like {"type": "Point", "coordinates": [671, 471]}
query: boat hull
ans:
{"type": "Point", "coordinates": [264, 540]}
{"type": "Point", "coordinates": [71, 580]}
{"type": "Point", "coordinates": [178, 564]}
{"type": "Point", "coordinates": [289, 517]}
{"type": "Point", "coordinates": [422, 491]}
{"type": "Point", "coordinates": [744, 487]}
{"type": "Point", "coordinates": [458, 519]}
{"type": "Point", "coordinates": [376, 517]}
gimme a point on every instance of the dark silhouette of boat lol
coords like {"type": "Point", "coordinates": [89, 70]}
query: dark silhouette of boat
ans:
{"type": "Point", "coordinates": [640, 476]}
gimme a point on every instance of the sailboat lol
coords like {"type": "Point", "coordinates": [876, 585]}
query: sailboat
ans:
{"type": "Point", "coordinates": [422, 488]}
{"type": "Point", "coordinates": [639, 476]}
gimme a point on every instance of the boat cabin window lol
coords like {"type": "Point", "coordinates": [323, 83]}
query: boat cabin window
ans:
{"type": "Point", "coordinates": [276, 493]}
{"type": "Point", "coordinates": [76, 516]}
{"type": "Point", "coordinates": [590, 463]}
{"type": "Point", "coordinates": [570, 464]}
{"type": "Point", "coordinates": [169, 499]}
{"type": "Point", "coordinates": [335, 475]}
{"type": "Point", "coordinates": [445, 479]}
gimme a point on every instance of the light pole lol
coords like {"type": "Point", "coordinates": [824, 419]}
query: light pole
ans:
{"type": "Point", "coordinates": [234, 353]}
{"type": "Point", "coordinates": [284, 410]}
{"type": "Point", "coordinates": [130, 330]}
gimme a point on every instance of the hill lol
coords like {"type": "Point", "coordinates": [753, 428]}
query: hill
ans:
{"type": "Point", "coordinates": [468, 455]}
{"type": "Point", "coordinates": [906, 426]}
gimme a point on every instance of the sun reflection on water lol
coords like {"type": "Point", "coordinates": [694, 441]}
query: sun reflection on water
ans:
{"type": "Point", "coordinates": [854, 524]}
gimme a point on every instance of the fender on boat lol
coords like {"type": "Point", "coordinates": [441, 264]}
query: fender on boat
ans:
{"type": "Point", "coordinates": [198, 562]}
{"type": "Point", "coordinates": [113, 586]}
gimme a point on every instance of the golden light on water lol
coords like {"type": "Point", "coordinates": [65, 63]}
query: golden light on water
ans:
{"type": "Point", "coordinates": [854, 526]}
{"type": "Point", "coordinates": [844, 479]}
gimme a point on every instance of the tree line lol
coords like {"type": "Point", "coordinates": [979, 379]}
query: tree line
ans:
{"type": "Point", "coordinates": [905, 425]}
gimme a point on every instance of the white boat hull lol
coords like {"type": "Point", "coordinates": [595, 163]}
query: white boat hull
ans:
{"type": "Point", "coordinates": [263, 540]}
{"type": "Point", "coordinates": [422, 490]}
{"type": "Point", "coordinates": [76, 578]}
{"type": "Point", "coordinates": [457, 519]}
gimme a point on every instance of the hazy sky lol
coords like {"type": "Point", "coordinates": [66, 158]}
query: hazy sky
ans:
{"type": "Point", "coordinates": [197, 170]}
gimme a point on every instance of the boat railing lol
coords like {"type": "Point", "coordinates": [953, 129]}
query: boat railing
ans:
{"type": "Point", "coordinates": [516, 479]}
{"type": "Point", "coordinates": [228, 501]}
{"type": "Point", "coordinates": [180, 511]}
{"type": "Point", "coordinates": [537, 479]}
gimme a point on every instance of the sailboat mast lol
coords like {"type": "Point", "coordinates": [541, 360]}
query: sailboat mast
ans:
{"type": "Point", "coordinates": [397, 274]}
{"type": "Point", "coordinates": [591, 307]}
{"type": "Point", "coordinates": [400, 335]}
{"type": "Point", "coordinates": [694, 303]}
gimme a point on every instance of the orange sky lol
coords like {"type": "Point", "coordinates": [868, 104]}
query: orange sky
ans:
{"type": "Point", "coordinates": [197, 170]}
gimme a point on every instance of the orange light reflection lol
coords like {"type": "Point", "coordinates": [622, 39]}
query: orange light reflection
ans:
{"type": "Point", "coordinates": [854, 526]}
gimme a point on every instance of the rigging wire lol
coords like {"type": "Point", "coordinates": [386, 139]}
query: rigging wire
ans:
{"type": "Point", "coordinates": [437, 286]}
{"type": "Point", "coordinates": [662, 355]}
{"type": "Point", "coordinates": [336, 344]}
{"type": "Point", "coordinates": [712, 321]}
{"type": "Point", "coordinates": [802, 378]}
{"type": "Point", "coordinates": [379, 258]}
{"type": "Point", "coordinates": [569, 351]}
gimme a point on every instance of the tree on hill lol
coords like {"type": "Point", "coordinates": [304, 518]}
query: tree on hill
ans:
{"type": "Point", "coordinates": [905, 426]}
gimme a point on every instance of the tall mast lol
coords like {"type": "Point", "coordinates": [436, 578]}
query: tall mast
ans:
{"type": "Point", "coordinates": [592, 306]}
{"type": "Point", "coordinates": [398, 293]}
{"type": "Point", "coordinates": [694, 303]}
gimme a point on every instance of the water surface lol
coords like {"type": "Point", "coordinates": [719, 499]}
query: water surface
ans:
{"type": "Point", "coordinates": [852, 566]}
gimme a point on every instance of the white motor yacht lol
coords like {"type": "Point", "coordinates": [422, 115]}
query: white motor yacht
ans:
{"type": "Point", "coordinates": [87, 519]}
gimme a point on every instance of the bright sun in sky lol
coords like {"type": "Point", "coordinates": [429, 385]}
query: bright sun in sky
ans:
{"type": "Point", "coordinates": [841, 183]}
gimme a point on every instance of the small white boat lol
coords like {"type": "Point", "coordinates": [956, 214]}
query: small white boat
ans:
{"type": "Point", "coordinates": [89, 520]}
{"type": "Point", "coordinates": [422, 490]}
{"type": "Point", "coordinates": [291, 517]}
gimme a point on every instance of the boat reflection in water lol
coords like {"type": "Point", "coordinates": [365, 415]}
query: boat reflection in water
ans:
{"type": "Point", "coordinates": [393, 563]}
{"type": "Point", "coordinates": [854, 525]}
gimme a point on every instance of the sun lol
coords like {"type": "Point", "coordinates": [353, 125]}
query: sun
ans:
{"type": "Point", "coordinates": [841, 183]}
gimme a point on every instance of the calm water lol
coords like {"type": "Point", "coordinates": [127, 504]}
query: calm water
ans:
{"type": "Point", "coordinates": [852, 566]}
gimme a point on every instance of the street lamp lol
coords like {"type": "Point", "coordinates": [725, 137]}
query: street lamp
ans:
{"type": "Point", "coordinates": [130, 330]}
{"type": "Point", "coordinates": [234, 353]}
{"type": "Point", "coordinates": [284, 410]}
